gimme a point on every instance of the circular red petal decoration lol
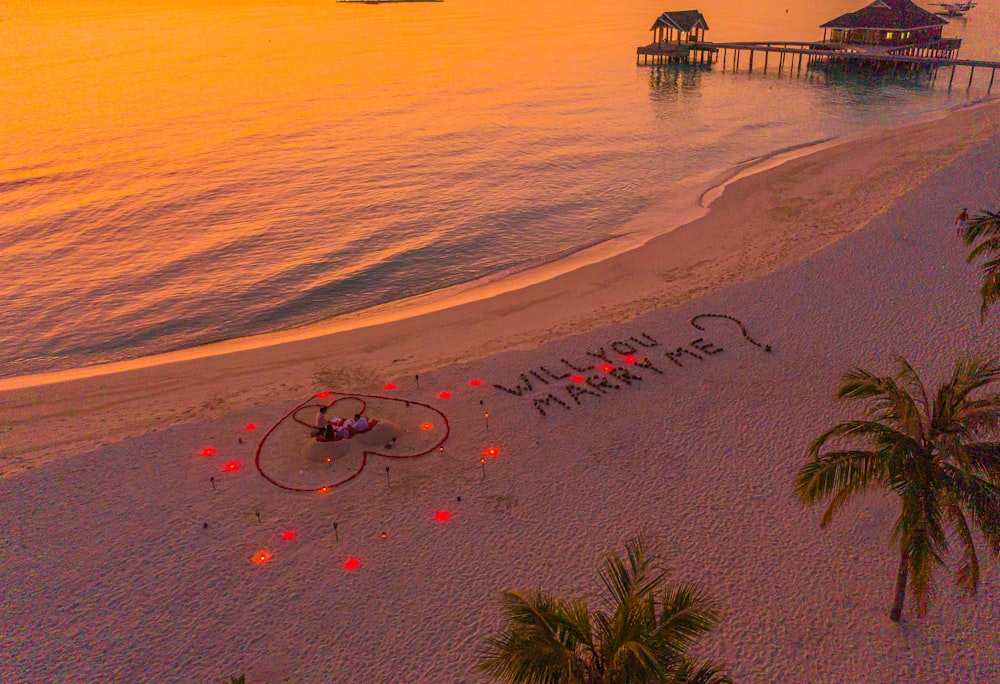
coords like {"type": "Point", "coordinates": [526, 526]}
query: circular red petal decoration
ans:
{"type": "Point", "coordinates": [232, 466]}
{"type": "Point", "coordinates": [444, 395]}
{"type": "Point", "coordinates": [607, 369]}
{"type": "Point", "coordinates": [250, 426]}
{"type": "Point", "coordinates": [208, 451]}
{"type": "Point", "coordinates": [289, 535]}
{"type": "Point", "coordinates": [442, 516]}
{"type": "Point", "coordinates": [629, 359]}
{"type": "Point", "coordinates": [389, 386]}
{"type": "Point", "coordinates": [475, 383]}
{"type": "Point", "coordinates": [427, 426]}
{"type": "Point", "coordinates": [322, 395]}
{"type": "Point", "coordinates": [352, 564]}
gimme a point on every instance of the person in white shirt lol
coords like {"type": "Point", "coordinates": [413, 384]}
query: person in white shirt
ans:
{"type": "Point", "coordinates": [359, 424]}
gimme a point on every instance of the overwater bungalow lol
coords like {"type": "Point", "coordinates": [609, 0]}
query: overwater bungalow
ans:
{"type": "Point", "coordinates": [890, 27]}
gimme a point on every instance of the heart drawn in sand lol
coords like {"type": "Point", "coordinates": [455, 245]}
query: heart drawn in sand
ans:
{"type": "Point", "coordinates": [297, 428]}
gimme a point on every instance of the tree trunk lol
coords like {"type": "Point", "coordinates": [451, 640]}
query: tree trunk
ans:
{"type": "Point", "coordinates": [904, 571]}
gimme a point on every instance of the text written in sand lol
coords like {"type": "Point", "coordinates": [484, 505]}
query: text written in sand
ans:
{"type": "Point", "coordinates": [614, 366]}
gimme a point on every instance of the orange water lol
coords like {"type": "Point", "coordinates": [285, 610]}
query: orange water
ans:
{"type": "Point", "coordinates": [174, 173]}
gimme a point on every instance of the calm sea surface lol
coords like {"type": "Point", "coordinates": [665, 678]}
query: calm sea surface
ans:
{"type": "Point", "coordinates": [176, 173]}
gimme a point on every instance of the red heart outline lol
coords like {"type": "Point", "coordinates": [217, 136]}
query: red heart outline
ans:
{"type": "Point", "coordinates": [364, 454]}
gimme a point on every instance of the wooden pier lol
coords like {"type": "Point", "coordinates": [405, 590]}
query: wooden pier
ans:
{"type": "Point", "coordinates": [887, 35]}
{"type": "Point", "coordinates": [798, 55]}
{"type": "Point", "coordinates": [667, 53]}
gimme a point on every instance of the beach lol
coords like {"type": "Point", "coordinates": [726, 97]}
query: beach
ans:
{"type": "Point", "coordinates": [122, 559]}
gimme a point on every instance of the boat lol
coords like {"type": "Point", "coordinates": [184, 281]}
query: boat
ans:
{"type": "Point", "coordinates": [953, 9]}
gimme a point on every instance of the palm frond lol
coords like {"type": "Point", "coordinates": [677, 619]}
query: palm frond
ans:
{"type": "Point", "coordinates": [870, 431]}
{"type": "Point", "coordinates": [920, 531]}
{"type": "Point", "coordinates": [983, 224]}
{"type": "Point", "coordinates": [914, 386]}
{"type": "Point", "coordinates": [687, 613]}
{"type": "Point", "coordinates": [638, 574]}
{"type": "Point", "coordinates": [979, 416]}
{"type": "Point", "coordinates": [990, 247]}
{"type": "Point", "coordinates": [839, 474]}
{"type": "Point", "coordinates": [989, 293]}
{"type": "Point", "coordinates": [969, 375]}
{"type": "Point", "coordinates": [981, 499]}
{"type": "Point", "coordinates": [691, 672]}
{"type": "Point", "coordinates": [973, 373]}
{"type": "Point", "coordinates": [967, 575]}
{"type": "Point", "coordinates": [643, 638]}
{"type": "Point", "coordinates": [981, 459]}
{"type": "Point", "coordinates": [539, 643]}
{"type": "Point", "coordinates": [888, 401]}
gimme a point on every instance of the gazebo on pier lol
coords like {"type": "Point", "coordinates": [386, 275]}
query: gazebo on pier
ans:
{"type": "Point", "coordinates": [689, 26]}
{"type": "Point", "coordinates": [675, 36]}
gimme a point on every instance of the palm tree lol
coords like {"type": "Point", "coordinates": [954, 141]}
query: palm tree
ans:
{"type": "Point", "coordinates": [933, 454]}
{"type": "Point", "coordinates": [643, 637]}
{"type": "Point", "coordinates": [985, 227]}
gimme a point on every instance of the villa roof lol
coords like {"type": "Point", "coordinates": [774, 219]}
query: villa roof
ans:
{"type": "Point", "coordinates": [684, 20]}
{"type": "Point", "coordinates": [887, 14]}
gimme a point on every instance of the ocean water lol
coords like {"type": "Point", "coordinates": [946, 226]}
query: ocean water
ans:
{"type": "Point", "coordinates": [177, 173]}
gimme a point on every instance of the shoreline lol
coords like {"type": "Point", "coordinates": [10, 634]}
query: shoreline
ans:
{"type": "Point", "coordinates": [485, 287]}
{"type": "Point", "coordinates": [759, 224]}
{"type": "Point", "coordinates": [146, 555]}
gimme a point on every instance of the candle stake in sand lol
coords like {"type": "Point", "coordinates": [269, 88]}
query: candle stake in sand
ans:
{"type": "Point", "coordinates": [482, 462]}
{"type": "Point", "coordinates": [258, 517]}
{"type": "Point", "coordinates": [335, 533]}
{"type": "Point", "coordinates": [387, 484]}
{"type": "Point", "coordinates": [212, 480]}
{"type": "Point", "coordinates": [486, 415]}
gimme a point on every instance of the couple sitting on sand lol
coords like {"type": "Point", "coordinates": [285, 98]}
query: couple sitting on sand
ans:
{"type": "Point", "coordinates": [339, 428]}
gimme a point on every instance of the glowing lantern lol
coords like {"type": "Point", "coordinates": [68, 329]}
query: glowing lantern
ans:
{"type": "Point", "coordinates": [427, 426]}
{"type": "Point", "coordinates": [607, 369]}
{"type": "Point", "coordinates": [250, 426]}
{"type": "Point", "coordinates": [352, 564]}
{"type": "Point", "coordinates": [208, 451]}
{"type": "Point", "coordinates": [629, 359]}
{"type": "Point", "coordinates": [475, 383]}
{"type": "Point", "coordinates": [578, 378]}
{"type": "Point", "coordinates": [289, 535]}
{"type": "Point", "coordinates": [384, 535]}
{"type": "Point", "coordinates": [232, 466]}
{"type": "Point", "coordinates": [442, 516]}
{"type": "Point", "coordinates": [323, 489]}
{"type": "Point", "coordinates": [492, 452]}
{"type": "Point", "coordinates": [444, 395]}
{"type": "Point", "coordinates": [389, 386]}
{"type": "Point", "coordinates": [262, 556]}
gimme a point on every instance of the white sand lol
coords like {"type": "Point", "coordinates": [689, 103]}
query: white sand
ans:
{"type": "Point", "coordinates": [106, 572]}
